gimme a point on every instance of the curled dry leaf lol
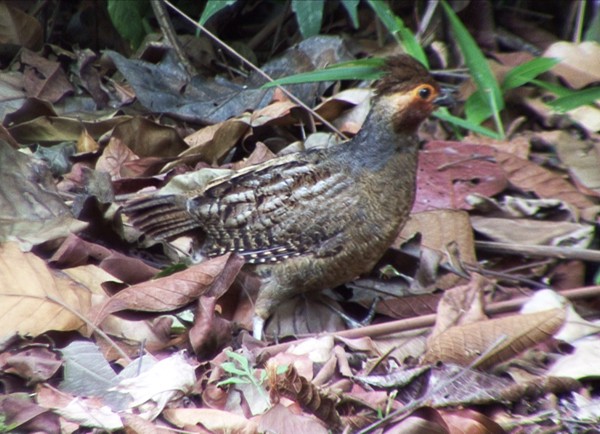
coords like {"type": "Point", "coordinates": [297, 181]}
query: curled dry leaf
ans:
{"type": "Point", "coordinates": [312, 399]}
{"type": "Point", "coordinates": [210, 278]}
{"type": "Point", "coordinates": [499, 339]}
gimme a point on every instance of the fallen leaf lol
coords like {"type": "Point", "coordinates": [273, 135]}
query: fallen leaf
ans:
{"type": "Point", "coordinates": [34, 298]}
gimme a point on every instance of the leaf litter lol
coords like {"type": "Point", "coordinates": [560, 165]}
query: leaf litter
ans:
{"type": "Point", "coordinates": [495, 224]}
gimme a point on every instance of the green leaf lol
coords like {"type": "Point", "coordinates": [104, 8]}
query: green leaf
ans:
{"type": "Point", "coordinates": [128, 19]}
{"type": "Point", "coordinates": [401, 33]}
{"type": "Point", "coordinates": [363, 69]}
{"type": "Point", "coordinates": [281, 369]}
{"type": "Point", "coordinates": [211, 8]}
{"type": "Point", "coordinates": [351, 7]}
{"type": "Point", "coordinates": [444, 115]}
{"type": "Point", "coordinates": [554, 88]}
{"type": "Point", "coordinates": [232, 368]}
{"type": "Point", "coordinates": [593, 31]}
{"type": "Point", "coordinates": [309, 15]}
{"type": "Point", "coordinates": [233, 380]}
{"type": "Point", "coordinates": [526, 72]}
{"type": "Point", "coordinates": [477, 64]}
{"type": "Point", "coordinates": [477, 108]}
{"type": "Point", "coordinates": [329, 74]}
{"type": "Point", "coordinates": [243, 361]}
{"type": "Point", "coordinates": [577, 99]}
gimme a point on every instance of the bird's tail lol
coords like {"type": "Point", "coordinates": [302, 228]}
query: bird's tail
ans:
{"type": "Point", "coordinates": [161, 216]}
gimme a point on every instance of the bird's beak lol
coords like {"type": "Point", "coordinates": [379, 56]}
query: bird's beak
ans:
{"type": "Point", "coordinates": [445, 98]}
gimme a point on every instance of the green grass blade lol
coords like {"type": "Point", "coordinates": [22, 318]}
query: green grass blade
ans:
{"type": "Point", "coordinates": [554, 88]}
{"type": "Point", "coordinates": [577, 99]}
{"type": "Point", "coordinates": [399, 31]}
{"type": "Point", "coordinates": [309, 15]}
{"type": "Point", "coordinates": [364, 69]}
{"type": "Point", "coordinates": [526, 72]}
{"type": "Point", "coordinates": [212, 7]}
{"type": "Point", "coordinates": [351, 7]}
{"type": "Point", "coordinates": [477, 108]}
{"type": "Point", "coordinates": [444, 115]}
{"type": "Point", "coordinates": [478, 65]}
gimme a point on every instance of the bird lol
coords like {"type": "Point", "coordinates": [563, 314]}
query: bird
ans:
{"type": "Point", "coordinates": [318, 218]}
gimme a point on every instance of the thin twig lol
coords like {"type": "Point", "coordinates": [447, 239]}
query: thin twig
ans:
{"type": "Point", "coordinates": [168, 31]}
{"type": "Point", "coordinates": [422, 321]}
{"type": "Point", "coordinates": [540, 251]}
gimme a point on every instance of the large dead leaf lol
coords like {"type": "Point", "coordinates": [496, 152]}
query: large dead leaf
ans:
{"type": "Point", "coordinates": [529, 176]}
{"type": "Point", "coordinates": [500, 339]}
{"type": "Point", "coordinates": [582, 158]}
{"type": "Point", "coordinates": [211, 143]}
{"type": "Point", "coordinates": [175, 291]}
{"type": "Point", "coordinates": [450, 171]}
{"type": "Point", "coordinates": [534, 232]}
{"type": "Point", "coordinates": [43, 78]}
{"type": "Point", "coordinates": [447, 237]}
{"type": "Point", "coordinates": [217, 421]}
{"type": "Point", "coordinates": [35, 299]}
{"type": "Point", "coordinates": [18, 28]}
{"type": "Point", "coordinates": [31, 211]}
{"type": "Point", "coordinates": [579, 64]}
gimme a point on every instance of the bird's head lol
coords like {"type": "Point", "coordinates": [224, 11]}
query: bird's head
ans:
{"type": "Point", "coordinates": [408, 94]}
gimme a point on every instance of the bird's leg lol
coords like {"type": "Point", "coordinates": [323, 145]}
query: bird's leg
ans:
{"type": "Point", "coordinates": [258, 325]}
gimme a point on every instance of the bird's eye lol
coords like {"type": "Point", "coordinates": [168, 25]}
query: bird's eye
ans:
{"type": "Point", "coordinates": [424, 92]}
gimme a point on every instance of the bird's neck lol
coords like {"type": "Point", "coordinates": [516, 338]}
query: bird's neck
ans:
{"type": "Point", "coordinates": [379, 145]}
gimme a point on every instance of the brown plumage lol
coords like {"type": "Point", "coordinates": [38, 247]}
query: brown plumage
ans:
{"type": "Point", "coordinates": [315, 219]}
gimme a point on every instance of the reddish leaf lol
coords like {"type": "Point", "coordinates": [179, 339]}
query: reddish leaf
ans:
{"type": "Point", "coordinates": [175, 291]}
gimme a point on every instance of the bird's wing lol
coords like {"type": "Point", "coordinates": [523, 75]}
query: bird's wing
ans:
{"type": "Point", "coordinates": [290, 207]}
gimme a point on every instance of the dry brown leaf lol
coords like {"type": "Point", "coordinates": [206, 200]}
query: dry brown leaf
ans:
{"type": "Point", "coordinates": [529, 176]}
{"type": "Point", "coordinates": [277, 113]}
{"type": "Point", "coordinates": [461, 305]}
{"type": "Point", "coordinates": [443, 232]}
{"type": "Point", "coordinates": [311, 399]}
{"type": "Point", "coordinates": [217, 421]}
{"type": "Point", "coordinates": [31, 295]}
{"type": "Point", "coordinates": [19, 28]}
{"type": "Point", "coordinates": [470, 421]}
{"type": "Point", "coordinates": [113, 157]}
{"type": "Point", "coordinates": [177, 290]}
{"type": "Point", "coordinates": [450, 171]}
{"type": "Point", "coordinates": [579, 64]}
{"type": "Point", "coordinates": [86, 143]}
{"type": "Point", "coordinates": [582, 159]}
{"type": "Point", "coordinates": [211, 143]}
{"type": "Point", "coordinates": [534, 231]}
{"type": "Point", "coordinates": [149, 139]}
{"type": "Point", "coordinates": [501, 339]}
{"type": "Point", "coordinates": [43, 78]}
{"type": "Point", "coordinates": [31, 211]}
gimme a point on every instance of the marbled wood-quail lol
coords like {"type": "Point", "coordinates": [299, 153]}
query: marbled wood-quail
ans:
{"type": "Point", "coordinates": [315, 219]}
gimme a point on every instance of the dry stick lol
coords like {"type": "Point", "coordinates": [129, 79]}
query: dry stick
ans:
{"type": "Point", "coordinates": [258, 70]}
{"type": "Point", "coordinates": [169, 32]}
{"type": "Point", "coordinates": [429, 320]}
{"type": "Point", "coordinates": [540, 251]}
